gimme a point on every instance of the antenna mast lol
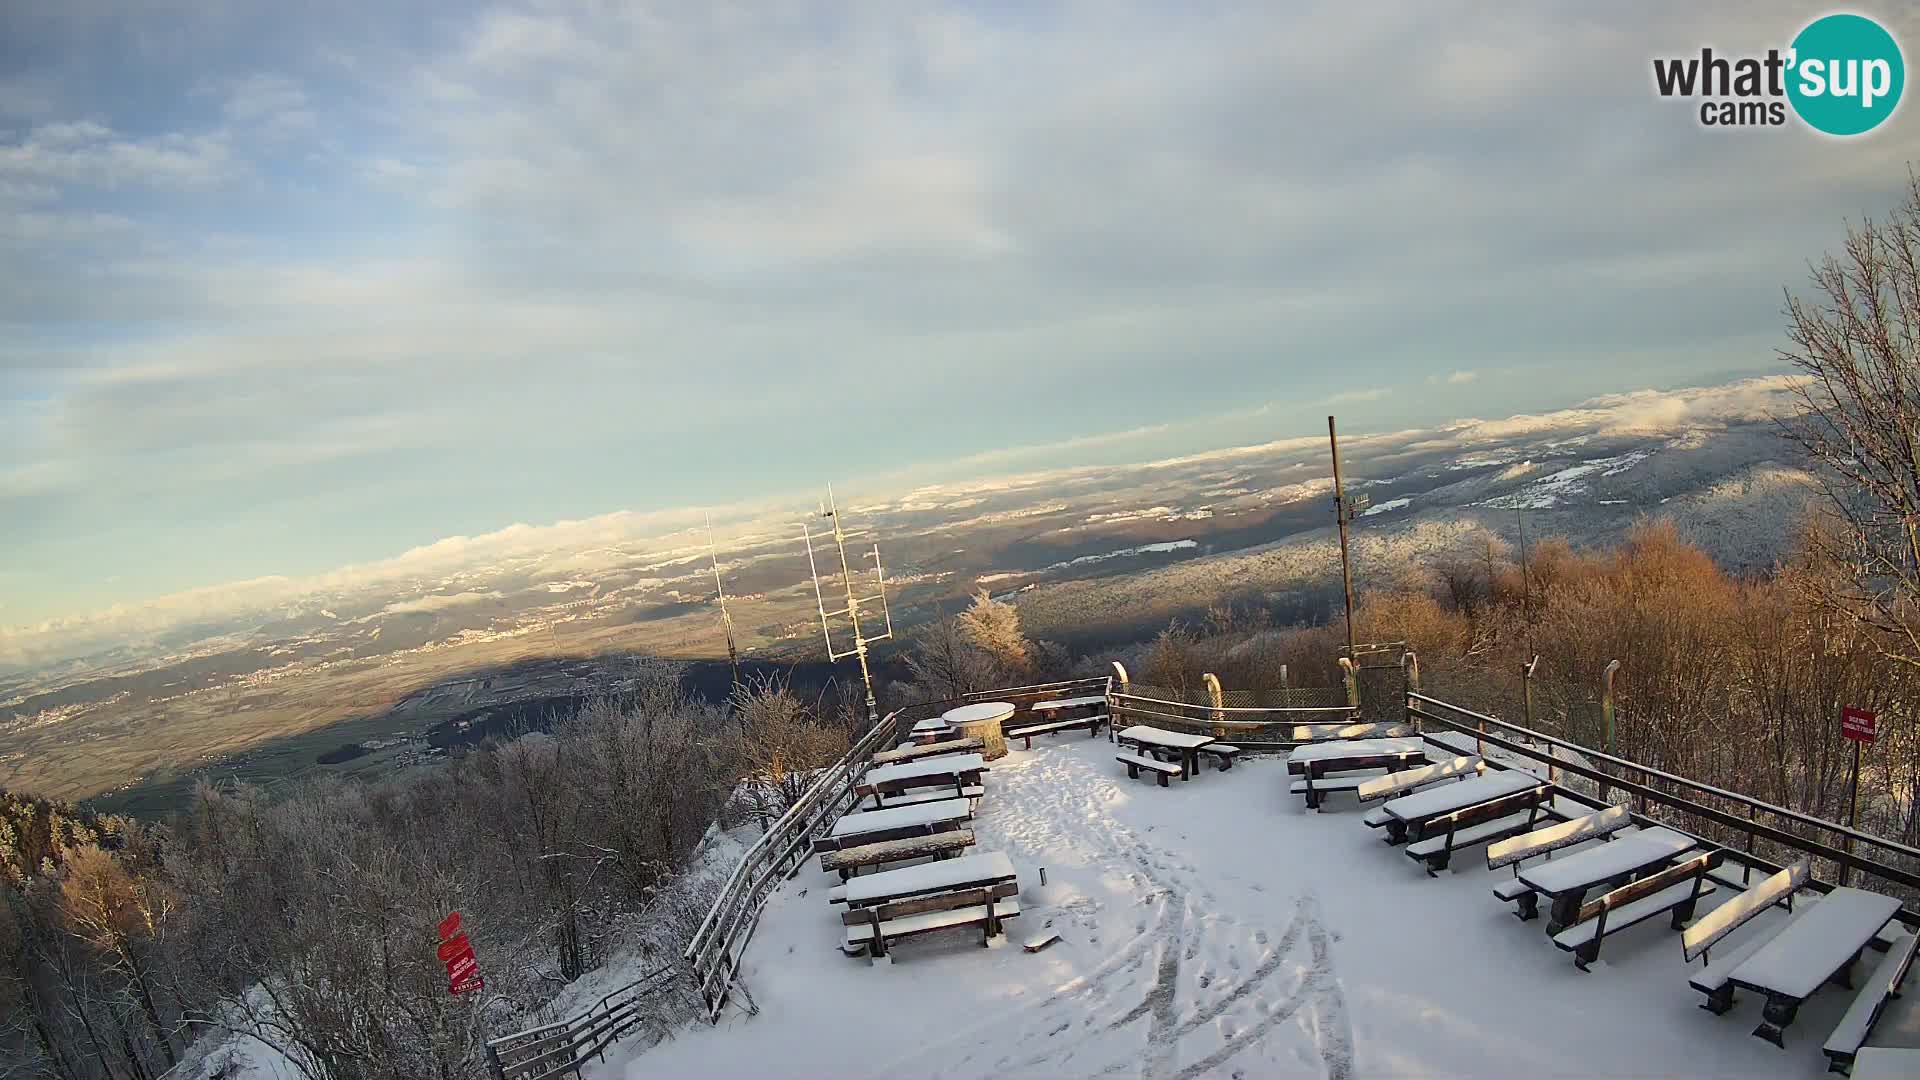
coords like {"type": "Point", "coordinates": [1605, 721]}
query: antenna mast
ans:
{"type": "Point", "coordinates": [1343, 509]}
{"type": "Point", "coordinates": [726, 620]}
{"type": "Point", "coordinates": [831, 511]}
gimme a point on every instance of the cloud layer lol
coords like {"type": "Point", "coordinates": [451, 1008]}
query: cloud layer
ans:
{"type": "Point", "coordinates": [290, 289]}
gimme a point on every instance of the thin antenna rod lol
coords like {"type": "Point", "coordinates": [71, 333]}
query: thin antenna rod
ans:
{"type": "Point", "coordinates": [1342, 514]}
{"type": "Point", "coordinates": [726, 620]}
{"type": "Point", "coordinates": [831, 510]}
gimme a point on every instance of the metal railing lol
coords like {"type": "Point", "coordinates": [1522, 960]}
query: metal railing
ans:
{"type": "Point", "coordinates": [714, 953]}
{"type": "Point", "coordinates": [1770, 836]}
{"type": "Point", "coordinates": [564, 1046]}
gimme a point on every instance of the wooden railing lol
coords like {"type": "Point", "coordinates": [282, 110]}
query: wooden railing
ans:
{"type": "Point", "coordinates": [1769, 837]}
{"type": "Point", "coordinates": [713, 954]}
{"type": "Point", "coordinates": [552, 1050]}
{"type": "Point", "coordinates": [1253, 728]}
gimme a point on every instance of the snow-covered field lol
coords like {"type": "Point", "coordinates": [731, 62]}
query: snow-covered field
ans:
{"type": "Point", "coordinates": [1215, 928]}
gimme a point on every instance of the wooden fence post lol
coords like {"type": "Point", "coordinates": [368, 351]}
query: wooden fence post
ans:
{"type": "Point", "coordinates": [1218, 698]}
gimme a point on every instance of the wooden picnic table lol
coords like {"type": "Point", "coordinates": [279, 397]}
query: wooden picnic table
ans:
{"type": "Point", "coordinates": [1187, 746]}
{"type": "Point", "coordinates": [1414, 809]}
{"type": "Point", "coordinates": [1087, 701]}
{"type": "Point", "coordinates": [985, 868]}
{"type": "Point", "coordinates": [1566, 881]}
{"type": "Point", "coordinates": [871, 826]}
{"type": "Point", "coordinates": [1820, 945]}
{"type": "Point", "coordinates": [931, 730]}
{"type": "Point", "coordinates": [956, 771]}
{"type": "Point", "coordinates": [1346, 748]}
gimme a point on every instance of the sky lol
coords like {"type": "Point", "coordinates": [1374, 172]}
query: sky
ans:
{"type": "Point", "coordinates": [289, 287]}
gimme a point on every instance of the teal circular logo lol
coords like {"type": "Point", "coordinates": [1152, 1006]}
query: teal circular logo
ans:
{"type": "Point", "coordinates": [1846, 74]}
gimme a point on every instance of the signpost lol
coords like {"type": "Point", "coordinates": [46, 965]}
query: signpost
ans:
{"type": "Point", "coordinates": [455, 951]}
{"type": "Point", "coordinates": [1856, 725]}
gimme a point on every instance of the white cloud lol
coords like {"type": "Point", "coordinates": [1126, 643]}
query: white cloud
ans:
{"type": "Point", "coordinates": [1453, 378]}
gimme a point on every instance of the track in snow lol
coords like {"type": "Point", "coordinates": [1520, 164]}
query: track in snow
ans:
{"type": "Point", "coordinates": [1187, 991]}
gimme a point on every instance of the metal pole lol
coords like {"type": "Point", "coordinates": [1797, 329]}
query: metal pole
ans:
{"type": "Point", "coordinates": [1606, 715]}
{"type": "Point", "coordinates": [1526, 696]}
{"type": "Point", "coordinates": [726, 620]}
{"type": "Point", "coordinates": [1341, 515]}
{"type": "Point", "coordinates": [1853, 809]}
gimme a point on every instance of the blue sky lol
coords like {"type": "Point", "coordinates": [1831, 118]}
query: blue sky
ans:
{"type": "Point", "coordinates": [295, 286]}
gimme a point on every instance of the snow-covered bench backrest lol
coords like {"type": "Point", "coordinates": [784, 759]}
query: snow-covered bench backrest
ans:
{"type": "Point", "coordinates": [1723, 920]}
{"type": "Point", "coordinates": [1413, 778]}
{"type": "Point", "coordinates": [1555, 837]}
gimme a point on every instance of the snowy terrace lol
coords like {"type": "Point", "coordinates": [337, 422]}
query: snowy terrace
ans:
{"type": "Point", "coordinates": [1216, 928]}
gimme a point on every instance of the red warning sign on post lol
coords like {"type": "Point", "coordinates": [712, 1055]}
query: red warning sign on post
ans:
{"type": "Point", "coordinates": [1857, 724]}
{"type": "Point", "coordinates": [463, 968]}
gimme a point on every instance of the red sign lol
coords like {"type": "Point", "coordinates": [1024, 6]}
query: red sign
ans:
{"type": "Point", "coordinates": [463, 968]}
{"type": "Point", "coordinates": [1857, 724]}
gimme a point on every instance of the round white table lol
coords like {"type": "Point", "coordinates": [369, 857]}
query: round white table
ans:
{"type": "Point", "coordinates": [981, 720]}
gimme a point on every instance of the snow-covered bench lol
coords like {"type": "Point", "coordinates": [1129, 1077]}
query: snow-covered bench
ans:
{"type": "Point", "coordinates": [1677, 889]}
{"type": "Point", "coordinates": [1223, 754]}
{"type": "Point", "coordinates": [874, 929]}
{"type": "Point", "coordinates": [1860, 1017]}
{"type": "Point", "coordinates": [916, 751]}
{"type": "Point", "coordinates": [1135, 762]}
{"type": "Point", "coordinates": [846, 860]}
{"type": "Point", "coordinates": [1437, 838]}
{"type": "Point", "coordinates": [1702, 936]}
{"type": "Point", "coordinates": [1026, 734]}
{"type": "Point", "coordinates": [1396, 784]}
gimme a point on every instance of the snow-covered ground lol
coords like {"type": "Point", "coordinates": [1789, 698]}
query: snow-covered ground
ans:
{"type": "Point", "coordinates": [1215, 928]}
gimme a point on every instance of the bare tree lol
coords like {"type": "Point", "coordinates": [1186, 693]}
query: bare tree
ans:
{"type": "Point", "coordinates": [1857, 338]}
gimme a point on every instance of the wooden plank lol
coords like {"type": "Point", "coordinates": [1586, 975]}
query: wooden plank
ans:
{"type": "Point", "coordinates": [912, 847]}
{"type": "Point", "coordinates": [916, 752]}
{"type": "Point", "coordinates": [900, 909]}
{"type": "Point", "coordinates": [1652, 883]}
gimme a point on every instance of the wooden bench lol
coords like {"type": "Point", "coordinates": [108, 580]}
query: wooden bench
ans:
{"type": "Point", "coordinates": [1702, 936]}
{"type": "Point", "coordinates": [1436, 839]}
{"type": "Point", "coordinates": [916, 751]}
{"type": "Point", "coordinates": [1223, 754]}
{"type": "Point", "coordinates": [1163, 769]}
{"type": "Point", "coordinates": [1677, 889]}
{"type": "Point", "coordinates": [1400, 783]}
{"type": "Point", "coordinates": [846, 860]}
{"type": "Point", "coordinates": [1517, 849]}
{"type": "Point", "coordinates": [875, 929]}
{"type": "Point", "coordinates": [1026, 734]}
{"type": "Point", "coordinates": [1860, 1017]}
{"type": "Point", "coordinates": [1328, 770]}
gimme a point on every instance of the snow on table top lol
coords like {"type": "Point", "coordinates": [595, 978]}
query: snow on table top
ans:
{"type": "Point", "coordinates": [1355, 748]}
{"type": "Point", "coordinates": [932, 723]}
{"type": "Point", "coordinates": [978, 868]}
{"type": "Point", "coordinates": [1817, 942]}
{"type": "Point", "coordinates": [1147, 733]}
{"type": "Point", "coordinates": [943, 765]}
{"type": "Point", "coordinates": [1886, 1063]}
{"type": "Point", "coordinates": [901, 817]}
{"type": "Point", "coordinates": [1068, 703]}
{"type": "Point", "coordinates": [1621, 855]}
{"type": "Point", "coordinates": [976, 712]}
{"type": "Point", "coordinates": [1450, 797]}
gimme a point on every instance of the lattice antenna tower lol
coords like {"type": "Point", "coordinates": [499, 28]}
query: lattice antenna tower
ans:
{"type": "Point", "coordinates": [726, 619]}
{"type": "Point", "coordinates": [852, 611]}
